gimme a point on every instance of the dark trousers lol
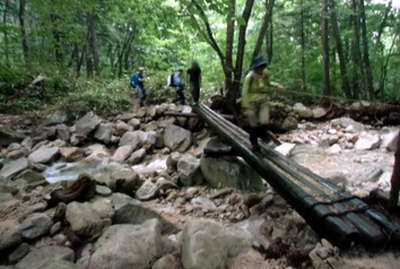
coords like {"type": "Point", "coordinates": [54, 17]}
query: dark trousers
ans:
{"type": "Point", "coordinates": [180, 96]}
{"type": "Point", "coordinates": [195, 88]}
{"type": "Point", "coordinates": [142, 94]}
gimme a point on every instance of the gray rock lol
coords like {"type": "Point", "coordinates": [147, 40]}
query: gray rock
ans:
{"type": "Point", "coordinates": [207, 244]}
{"type": "Point", "coordinates": [137, 156]}
{"type": "Point", "coordinates": [369, 174]}
{"type": "Point", "coordinates": [20, 252]}
{"type": "Point", "coordinates": [172, 161]}
{"type": "Point", "coordinates": [133, 213]}
{"type": "Point", "coordinates": [104, 207]}
{"type": "Point", "coordinates": [334, 149]}
{"type": "Point", "coordinates": [38, 258]}
{"type": "Point", "coordinates": [177, 138]}
{"type": "Point", "coordinates": [121, 127]}
{"type": "Point", "coordinates": [167, 262]}
{"type": "Point", "coordinates": [5, 197]}
{"type": "Point", "coordinates": [368, 142]}
{"type": "Point", "coordinates": [55, 228]}
{"type": "Point", "coordinates": [63, 132]}
{"type": "Point", "coordinates": [347, 122]}
{"type": "Point", "coordinates": [147, 191]}
{"type": "Point", "coordinates": [230, 172]}
{"type": "Point", "coordinates": [135, 123]}
{"type": "Point", "coordinates": [122, 153]}
{"type": "Point", "coordinates": [44, 154]}
{"type": "Point", "coordinates": [319, 112]}
{"type": "Point", "coordinates": [133, 139]}
{"type": "Point", "coordinates": [7, 137]}
{"type": "Point", "coordinates": [119, 200]}
{"type": "Point", "coordinates": [103, 133]}
{"type": "Point", "coordinates": [10, 234]}
{"type": "Point", "coordinates": [83, 219]}
{"type": "Point", "coordinates": [303, 111]}
{"type": "Point", "coordinates": [103, 190]}
{"type": "Point", "coordinates": [97, 150]}
{"type": "Point", "coordinates": [203, 203]}
{"type": "Point", "coordinates": [87, 124]}
{"type": "Point", "coordinates": [57, 117]}
{"type": "Point", "coordinates": [12, 168]}
{"type": "Point", "coordinates": [189, 171]}
{"type": "Point", "coordinates": [130, 246]}
{"type": "Point", "coordinates": [35, 226]}
{"type": "Point", "coordinates": [290, 123]}
{"type": "Point", "coordinates": [62, 265]}
{"type": "Point", "coordinates": [125, 180]}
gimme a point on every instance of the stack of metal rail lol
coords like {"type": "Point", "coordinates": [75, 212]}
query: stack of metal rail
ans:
{"type": "Point", "coordinates": [335, 214]}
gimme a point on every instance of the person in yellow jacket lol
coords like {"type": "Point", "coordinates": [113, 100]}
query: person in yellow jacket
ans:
{"type": "Point", "coordinates": [255, 100]}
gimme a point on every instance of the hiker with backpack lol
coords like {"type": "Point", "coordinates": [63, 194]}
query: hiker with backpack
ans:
{"type": "Point", "coordinates": [137, 82]}
{"type": "Point", "coordinates": [176, 81]}
{"type": "Point", "coordinates": [194, 76]}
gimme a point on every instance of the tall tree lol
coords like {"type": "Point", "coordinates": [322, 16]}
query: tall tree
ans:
{"type": "Point", "coordinates": [5, 32]}
{"type": "Point", "coordinates": [230, 37]}
{"type": "Point", "coordinates": [269, 38]}
{"type": "Point", "coordinates": [263, 29]}
{"type": "Point", "coordinates": [24, 39]}
{"type": "Point", "coordinates": [303, 47]}
{"type": "Point", "coordinates": [339, 48]}
{"type": "Point", "coordinates": [358, 66]}
{"type": "Point", "coordinates": [325, 48]}
{"type": "Point", "coordinates": [369, 81]}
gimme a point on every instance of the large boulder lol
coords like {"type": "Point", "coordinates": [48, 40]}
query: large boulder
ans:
{"type": "Point", "coordinates": [57, 117]}
{"type": "Point", "coordinates": [60, 264]}
{"type": "Point", "coordinates": [87, 124]}
{"type": "Point", "coordinates": [135, 213]}
{"type": "Point", "coordinates": [208, 244]}
{"type": "Point", "coordinates": [39, 258]}
{"type": "Point", "coordinates": [303, 111]}
{"type": "Point", "coordinates": [44, 154]}
{"type": "Point", "coordinates": [177, 138]}
{"type": "Point", "coordinates": [230, 172]}
{"type": "Point", "coordinates": [189, 171]}
{"type": "Point", "coordinates": [63, 132]}
{"type": "Point", "coordinates": [103, 133]}
{"type": "Point", "coordinates": [7, 137]}
{"type": "Point", "coordinates": [368, 142]}
{"type": "Point", "coordinates": [348, 124]}
{"type": "Point", "coordinates": [84, 220]}
{"type": "Point", "coordinates": [14, 167]}
{"type": "Point", "coordinates": [10, 234]}
{"type": "Point", "coordinates": [133, 139]}
{"type": "Point", "coordinates": [36, 225]}
{"type": "Point", "coordinates": [128, 246]}
{"type": "Point", "coordinates": [122, 153]}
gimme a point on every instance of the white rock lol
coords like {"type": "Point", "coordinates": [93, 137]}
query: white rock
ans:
{"type": "Point", "coordinates": [335, 149]}
{"type": "Point", "coordinates": [285, 149]}
{"type": "Point", "coordinates": [389, 141]}
{"type": "Point", "coordinates": [368, 142]}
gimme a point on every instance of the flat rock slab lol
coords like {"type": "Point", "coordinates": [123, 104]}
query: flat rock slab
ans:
{"type": "Point", "coordinates": [87, 124]}
{"type": "Point", "coordinates": [12, 168]}
{"type": "Point", "coordinates": [44, 154]}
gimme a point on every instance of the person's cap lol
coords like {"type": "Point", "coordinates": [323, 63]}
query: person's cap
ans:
{"type": "Point", "coordinates": [141, 68]}
{"type": "Point", "coordinates": [258, 62]}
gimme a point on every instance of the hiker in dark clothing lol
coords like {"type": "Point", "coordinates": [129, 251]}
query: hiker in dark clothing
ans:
{"type": "Point", "coordinates": [179, 85]}
{"type": "Point", "coordinates": [137, 82]}
{"type": "Point", "coordinates": [194, 74]}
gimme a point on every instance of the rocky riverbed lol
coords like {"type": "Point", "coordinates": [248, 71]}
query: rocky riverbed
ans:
{"type": "Point", "coordinates": [136, 191]}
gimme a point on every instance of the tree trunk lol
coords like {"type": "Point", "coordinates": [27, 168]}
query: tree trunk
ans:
{"type": "Point", "coordinates": [269, 38]}
{"type": "Point", "coordinates": [369, 81]}
{"type": "Point", "coordinates": [230, 37]}
{"type": "Point", "coordinates": [325, 48]}
{"type": "Point", "coordinates": [385, 66]}
{"type": "Point", "coordinates": [234, 92]}
{"type": "Point", "coordinates": [358, 67]}
{"type": "Point", "coordinates": [383, 25]}
{"type": "Point", "coordinates": [92, 57]}
{"type": "Point", "coordinates": [262, 32]}
{"type": "Point", "coordinates": [340, 52]}
{"type": "Point", "coordinates": [57, 40]}
{"type": "Point", "coordinates": [395, 181]}
{"type": "Point", "coordinates": [303, 47]}
{"type": "Point", "coordinates": [24, 40]}
{"type": "Point", "coordinates": [5, 32]}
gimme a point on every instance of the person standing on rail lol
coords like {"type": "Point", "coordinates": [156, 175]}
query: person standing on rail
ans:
{"type": "Point", "coordinates": [137, 82]}
{"type": "Point", "coordinates": [255, 101]}
{"type": "Point", "coordinates": [194, 77]}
